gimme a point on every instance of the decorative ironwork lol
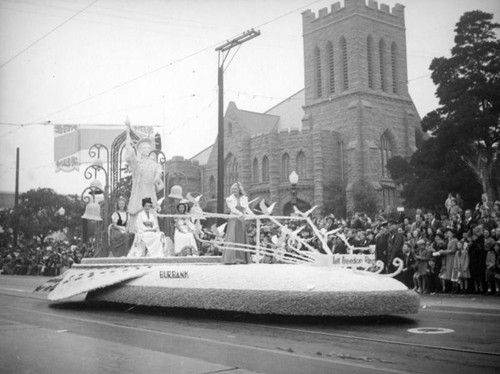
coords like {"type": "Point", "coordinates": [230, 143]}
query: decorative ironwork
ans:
{"type": "Point", "coordinates": [117, 159]}
{"type": "Point", "coordinates": [159, 156]}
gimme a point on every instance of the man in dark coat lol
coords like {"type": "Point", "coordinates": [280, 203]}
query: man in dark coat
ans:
{"type": "Point", "coordinates": [381, 244]}
{"type": "Point", "coordinates": [394, 245]}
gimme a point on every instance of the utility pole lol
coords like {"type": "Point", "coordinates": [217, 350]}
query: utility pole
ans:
{"type": "Point", "coordinates": [224, 50]}
{"type": "Point", "coordinates": [16, 201]}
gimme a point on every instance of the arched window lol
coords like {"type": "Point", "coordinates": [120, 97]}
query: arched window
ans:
{"type": "Point", "coordinates": [285, 166]}
{"type": "Point", "coordinates": [394, 54]}
{"type": "Point", "coordinates": [211, 187]}
{"type": "Point", "coordinates": [345, 71]}
{"type": "Point", "coordinates": [317, 64]}
{"type": "Point", "coordinates": [301, 164]}
{"type": "Point", "coordinates": [230, 172]}
{"type": "Point", "coordinates": [388, 197]}
{"type": "Point", "coordinates": [386, 152]}
{"type": "Point", "coordinates": [381, 51]}
{"type": "Point", "coordinates": [265, 169]}
{"type": "Point", "coordinates": [331, 70]}
{"type": "Point", "coordinates": [369, 60]}
{"type": "Point", "coordinates": [255, 171]}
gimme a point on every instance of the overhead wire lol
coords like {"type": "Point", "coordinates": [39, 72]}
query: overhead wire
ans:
{"type": "Point", "coordinates": [47, 34]}
{"type": "Point", "coordinates": [163, 67]}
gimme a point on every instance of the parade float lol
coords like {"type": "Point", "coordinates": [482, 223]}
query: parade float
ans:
{"type": "Point", "coordinates": [303, 281]}
{"type": "Point", "coordinates": [300, 278]}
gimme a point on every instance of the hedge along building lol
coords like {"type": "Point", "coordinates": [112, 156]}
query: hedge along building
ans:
{"type": "Point", "coordinates": [354, 114]}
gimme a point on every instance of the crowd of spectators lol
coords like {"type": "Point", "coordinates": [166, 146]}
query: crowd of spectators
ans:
{"type": "Point", "coordinates": [50, 259]}
{"type": "Point", "coordinates": [458, 251]}
{"type": "Point", "coordinates": [455, 251]}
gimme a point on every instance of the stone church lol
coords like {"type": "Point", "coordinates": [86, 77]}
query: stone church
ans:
{"type": "Point", "coordinates": [354, 114]}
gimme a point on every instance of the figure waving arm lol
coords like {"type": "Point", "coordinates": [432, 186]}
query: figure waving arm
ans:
{"type": "Point", "coordinates": [130, 155]}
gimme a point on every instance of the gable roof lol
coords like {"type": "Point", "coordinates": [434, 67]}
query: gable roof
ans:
{"type": "Point", "coordinates": [252, 122]}
{"type": "Point", "coordinates": [290, 111]}
{"type": "Point", "coordinates": [202, 156]}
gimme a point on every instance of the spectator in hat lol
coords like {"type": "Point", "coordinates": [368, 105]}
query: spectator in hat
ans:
{"type": "Point", "coordinates": [447, 258]}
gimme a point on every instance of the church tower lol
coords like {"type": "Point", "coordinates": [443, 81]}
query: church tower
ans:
{"type": "Point", "coordinates": [356, 95]}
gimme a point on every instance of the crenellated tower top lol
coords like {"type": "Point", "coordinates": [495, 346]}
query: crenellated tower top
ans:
{"type": "Point", "coordinates": [382, 12]}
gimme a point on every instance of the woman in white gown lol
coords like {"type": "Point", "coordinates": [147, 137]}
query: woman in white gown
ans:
{"type": "Point", "coordinates": [184, 242]}
{"type": "Point", "coordinates": [149, 240]}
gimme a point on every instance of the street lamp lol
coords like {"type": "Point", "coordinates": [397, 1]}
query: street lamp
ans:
{"type": "Point", "coordinates": [294, 179]}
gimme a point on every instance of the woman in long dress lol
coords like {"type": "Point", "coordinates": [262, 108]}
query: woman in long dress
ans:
{"type": "Point", "coordinates": [149, 240]}
{"type": "Point", "coordinates": [119, 238]}
{"type": "Point", "coordinates": [448, 258]}
{"type": "Point", "coordinates": [236, 230]}
{"type": "Point", "coordinates": [184, 241]}
{"type": "Point", "coordinates": [146, 176]}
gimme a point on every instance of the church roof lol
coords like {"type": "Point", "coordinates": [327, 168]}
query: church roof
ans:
{"type": "Point", "coordinates": [290, 111]}
{"type": "Point", "coordinates": [254, 123]}
{"type": "Point", "coordinates": [285, 115]}
{"type": "Point", "coordinates": [202, 157]}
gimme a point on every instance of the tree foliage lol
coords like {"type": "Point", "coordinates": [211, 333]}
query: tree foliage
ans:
{"type": "Point", "coordinates": [39, 214]}
{"type": "Point", "coordinates": [431, 174]}
{"type": "Point", "coordinates": [364, 198]}
{"type": "Point", "coordinates": [468, 87]}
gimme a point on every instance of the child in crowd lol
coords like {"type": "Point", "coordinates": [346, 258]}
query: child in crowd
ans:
{"type": "Point", "coordinates": [460, 274]}
{"type": "Point", "coordinates": [423, 255]}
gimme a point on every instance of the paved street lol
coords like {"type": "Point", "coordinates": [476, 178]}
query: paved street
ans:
{"type": "Point", "coordinates": [42, 337]}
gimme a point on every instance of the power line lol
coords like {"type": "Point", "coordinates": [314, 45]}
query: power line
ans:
{"type": "Point", "coordinates": [163, 66]}
{"type": "Point", "coordinates": [47, 34]}
{"type": "Point", "coordinates": [130, 81]}
{"type": "Point", "coordinates": [286, 14]}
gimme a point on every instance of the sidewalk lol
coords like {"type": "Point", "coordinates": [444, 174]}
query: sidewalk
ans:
{"type": "Point", "coordinates": [460, 301]}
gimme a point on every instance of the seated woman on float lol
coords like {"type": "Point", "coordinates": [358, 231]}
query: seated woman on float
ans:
{"type": "Point", "coordinates": [184, 241]}
{"type": "Point", "coordinates": [120, 239]}
{"type": "Point", "coordinates": [149, 240]}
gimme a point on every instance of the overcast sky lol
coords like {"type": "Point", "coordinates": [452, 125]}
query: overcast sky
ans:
{"type": "Point", "coordinates": [97, 62]}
